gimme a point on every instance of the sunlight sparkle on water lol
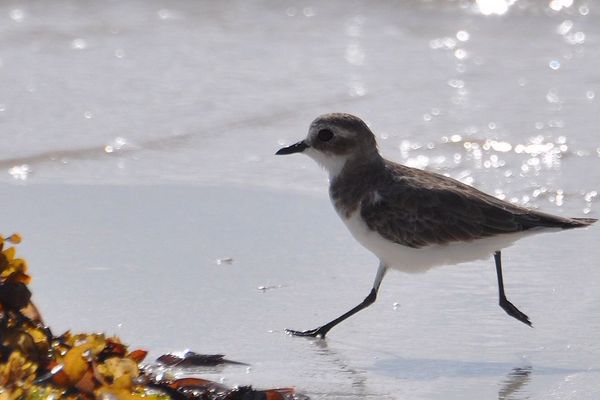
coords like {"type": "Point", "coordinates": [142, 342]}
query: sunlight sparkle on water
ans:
{"type": "Point", "coordinates": [558, 5]}
{"type": "Point", "coordinates": [166, 14]}
{"type": "Point", "coordinates": [446, 43]}
{"type": "Point", "coordinates": [575, 38]}
{"type": "Point", "coordinates": [460, 54]}
{"type": "Point", "coordinates": [565, 27]}
{"type": "Point", "coordinates": [554, 64]}
{"type": "Point", "coordinates": [79, 44]}
{"type": "Point", "coordinates": [566, 30]}
{"type": "Point", "coordinates": [499, 146]}
{"type": "Point", "coordinates": [552, 96]}
{"type": "Point", "coordinates": [116, 144]}
{"type": "Point", "coordinates": [309, 12]}
{"type": "Point", "coordinates": [494, 7]}
{"type": "Point", "coordinates": [17, 15]}
{"type": "Point", "coordinates": [356, 88]}
{"type": "Point", "coordinates": [419, 161]}
{"type": "Point", "coordinates": [526, 159]}
{"type": "Point", "coordinates": [590, 94]}
{"type": "Point", "coordinates": [20, 172]}
{"type": "Point", "coordinates": [463, 36]}
{"type": "Point", "coordinates": [456, 83]}
{"type": "Point", "coordinates": [589, 197]}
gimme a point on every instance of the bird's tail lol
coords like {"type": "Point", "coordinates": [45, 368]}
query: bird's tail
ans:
{"type": "Point", "coordinates": [581, 222]}
{"type": "Point", "coordinates": [539, 219]}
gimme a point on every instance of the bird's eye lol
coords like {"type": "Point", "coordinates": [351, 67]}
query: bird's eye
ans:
{"type": "Point", "coordinates": [325, 135]}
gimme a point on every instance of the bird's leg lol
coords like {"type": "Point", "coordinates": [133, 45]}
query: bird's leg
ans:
{"type": "Point", "coordinates": [504, 303]}
{"type": "Point", "coordinates": [370, 299]}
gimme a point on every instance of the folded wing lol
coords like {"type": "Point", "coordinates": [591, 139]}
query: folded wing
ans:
{"type": "Point", "coordinates": [420, 210]}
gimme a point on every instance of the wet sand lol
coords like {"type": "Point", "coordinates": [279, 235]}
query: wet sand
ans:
{"type": "Point", "coordinates": [142, 262]}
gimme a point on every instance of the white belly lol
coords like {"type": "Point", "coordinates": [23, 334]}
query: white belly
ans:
{"type": "Point", "coordinates": [413, 260]}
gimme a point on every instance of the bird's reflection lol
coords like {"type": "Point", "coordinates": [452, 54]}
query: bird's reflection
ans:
{"type": "Point", "coordinates": [511, 387]}
{"type": "Point", "coordinates": [513, 384]}
{"type": "Point", "coordinates": [357, 377]}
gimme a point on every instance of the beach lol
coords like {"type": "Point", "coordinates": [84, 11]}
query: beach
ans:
{"type": "Point", "coordinates": [138, 156]}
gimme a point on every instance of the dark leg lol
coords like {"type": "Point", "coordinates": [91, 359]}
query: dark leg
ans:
{"type": "Point", "coordinates": [504, 303]}
{"type": "Point", "coordinates": [370, 299]}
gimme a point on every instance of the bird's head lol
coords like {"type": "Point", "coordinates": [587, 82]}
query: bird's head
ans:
{"type": "Point", "coordinates": [333, 139]}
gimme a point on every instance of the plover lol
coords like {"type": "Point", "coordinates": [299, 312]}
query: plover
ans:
{"type": "Point", "coordinates": [413, 220]}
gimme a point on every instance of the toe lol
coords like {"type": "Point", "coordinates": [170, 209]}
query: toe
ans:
{"type": "Point", "coordinates": [308, 333]}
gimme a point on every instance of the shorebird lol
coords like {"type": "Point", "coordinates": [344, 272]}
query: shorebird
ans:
{"type": "Point", "coordinates": [411, 219]}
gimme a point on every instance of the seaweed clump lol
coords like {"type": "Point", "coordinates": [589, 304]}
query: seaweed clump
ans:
{"type": "Point", "coordinates": [36, 364]}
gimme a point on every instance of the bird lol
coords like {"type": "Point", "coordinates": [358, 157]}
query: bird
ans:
{"type": "Point", "coordinates": [413, 220]}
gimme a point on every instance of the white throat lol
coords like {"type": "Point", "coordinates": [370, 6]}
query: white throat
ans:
{"type": "Point", "coordinates": [332, 163]}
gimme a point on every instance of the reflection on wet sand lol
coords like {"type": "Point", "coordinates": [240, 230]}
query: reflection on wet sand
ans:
{"type": "Point", "coordinates": [358, 378]}
{"type": "Point", "coordinates": [512, 386]}
{"type": "Point", "coordinates": [514, 383]}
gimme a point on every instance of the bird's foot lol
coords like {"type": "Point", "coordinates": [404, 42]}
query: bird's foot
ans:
{"type": "Point", "coordinates": [318, 332]}
{"type": "Point", "coordinates": [514, 312]}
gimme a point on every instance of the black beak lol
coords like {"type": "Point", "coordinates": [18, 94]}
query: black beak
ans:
{"type": "Point", "coordinates": [295, 148]}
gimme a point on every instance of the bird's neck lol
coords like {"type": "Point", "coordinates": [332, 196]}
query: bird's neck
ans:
{"type": "Point", "coordinates": [357, 178]}
{"type": "Point", "coordinates": [355, 165]}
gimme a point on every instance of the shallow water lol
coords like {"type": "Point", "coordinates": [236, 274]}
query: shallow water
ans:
{"type": "Point", "coordinates": [191, 100]}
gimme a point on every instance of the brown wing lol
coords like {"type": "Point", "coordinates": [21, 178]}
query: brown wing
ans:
{"type": "Point", "coordinates": [420, 209]}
